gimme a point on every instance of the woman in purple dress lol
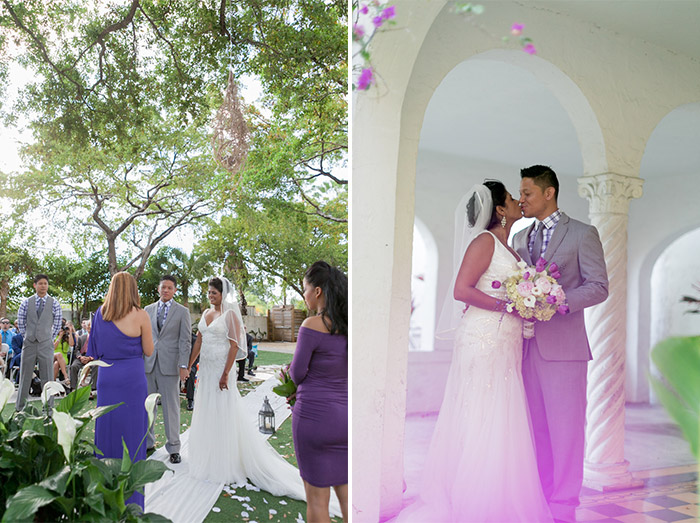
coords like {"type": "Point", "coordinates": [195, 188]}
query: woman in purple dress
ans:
{"type": "Point", "coordinates": [320, 370]}
{"type": "Point", "coordinates": [121, 335]}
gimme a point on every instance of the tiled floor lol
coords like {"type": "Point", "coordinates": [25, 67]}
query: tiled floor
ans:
{"type": "Point", "coordinates": [655, 448]}
{"type": "Point", "coordinates": [668, 494]}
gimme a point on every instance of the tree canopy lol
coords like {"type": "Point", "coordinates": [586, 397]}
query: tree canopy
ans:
{"type": "Point", "coordinates": [121, 105]}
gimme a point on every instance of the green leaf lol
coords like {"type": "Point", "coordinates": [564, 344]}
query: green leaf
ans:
{"type": "Point", "coordinates": [146, 471]}
{"type": "Point", "coordinates": [678, 361]}
{"type": "Point", "coordinates": [24, 504]}
{"type": "Point", "coordinates": [57, 483]}
{"type": "Point", "coordinates": [126, 459]}
{"type": "Point", "coordinates": [75, 401]}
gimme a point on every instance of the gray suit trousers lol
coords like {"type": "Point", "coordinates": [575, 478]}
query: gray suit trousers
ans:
{"type": "Point", "coordinates": [169, 389]}
{"type": "Point", "coordinates": [556, 394]}
{"type": "Point", "coordinates": [33, 352]}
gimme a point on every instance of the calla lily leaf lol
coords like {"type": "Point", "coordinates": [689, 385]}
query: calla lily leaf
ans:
{"type": "Point", "coordinates": [51, 388]}
{"type": "Point", "coordinates": [150, 405]}
{"type": "Point", "coordinates": [67, 427]}
{"type": "Point", "coordinates": [93, 363]}
{"type": "Point", "coordinates": [6, 390]}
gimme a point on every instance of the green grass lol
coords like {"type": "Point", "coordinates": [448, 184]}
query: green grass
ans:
{"type": "Point", "coordinates": [268, 357]}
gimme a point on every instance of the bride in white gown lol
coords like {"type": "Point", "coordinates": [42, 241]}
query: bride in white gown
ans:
{"type": "Point", "coordinates": [481, 463]}
{"type": "Point", "coordinates": [223, 443]}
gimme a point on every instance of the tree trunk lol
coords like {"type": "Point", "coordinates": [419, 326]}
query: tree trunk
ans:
{"type": "Point", "coordinates": [4, 296]}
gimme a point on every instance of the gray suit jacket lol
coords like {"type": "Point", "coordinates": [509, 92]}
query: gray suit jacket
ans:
{"type": "Point", "coordinates": [173, 344]}
{"type": "Point", "coordinates": [575, 247]}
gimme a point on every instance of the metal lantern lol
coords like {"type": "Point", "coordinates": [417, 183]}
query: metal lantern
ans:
{"type": "Point", "coordinates": [266, 418]}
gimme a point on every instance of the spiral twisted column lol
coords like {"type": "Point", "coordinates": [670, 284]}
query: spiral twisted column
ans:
{"type": "Point", "coordinates": [605, 467]}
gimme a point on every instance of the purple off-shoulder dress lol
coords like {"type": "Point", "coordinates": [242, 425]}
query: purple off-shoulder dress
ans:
{"type": "Point", "coordinates": [320, 419]}
{"type": "Point", "coordinates": [124, 381]}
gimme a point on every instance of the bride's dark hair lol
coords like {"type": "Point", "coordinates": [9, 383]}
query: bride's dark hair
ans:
{"type": "Point", "coordinates": [334, 284]}
{"type": "Point", "coordinates": [498, 196]}
{"type": "Point", "coordinates": [217, 284]}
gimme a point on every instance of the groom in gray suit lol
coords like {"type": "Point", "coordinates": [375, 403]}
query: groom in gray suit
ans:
{"type": "Point", "coordinates": [167, 366]}
{"type": "Point", "coordinates": [555, 361]}
{"type": "Point", "coordinates": [39, 319]}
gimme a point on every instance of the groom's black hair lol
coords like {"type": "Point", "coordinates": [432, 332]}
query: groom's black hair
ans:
{"type": "Point", "coordinates": [543, 176]}
{"type": "Point", "coordinates": [169, 277]}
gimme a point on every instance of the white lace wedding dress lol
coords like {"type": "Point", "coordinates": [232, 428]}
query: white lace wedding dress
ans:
{"type": "Point", "coordinates": [481, 464]}
{"type": "Point", "coordinates": [224, 445]}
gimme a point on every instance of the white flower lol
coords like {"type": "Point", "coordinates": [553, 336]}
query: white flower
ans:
{"type": "Point", "coordinates": [51, 388]}
{"type": "Point", "coordinates": [521, 264]}
{"type": "Point", "coordinates": [6, 390]}
{"type": "Point", "coordinates": [509, 307]}
{"type": "Point", "coordinates": [150, 405]}
{"type": "Point", "coordinates": [536, 291]}
{"type": "Point", "coordinates": [66, 426]}
{"type": "Point", "coordinates": [529, 301]}
{"type": "Point", "coordinates": [93, 363]}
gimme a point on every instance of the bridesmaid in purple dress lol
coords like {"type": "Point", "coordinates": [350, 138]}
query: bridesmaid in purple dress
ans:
{"type": "Point", "coordinates": [320, 370]}
{"type": "Point", "coordinates": [121, 335]}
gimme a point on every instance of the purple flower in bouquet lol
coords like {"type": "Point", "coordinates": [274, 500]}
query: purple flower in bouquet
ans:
{"type": "Point", "coordinates": [553, 267]}
{"type": "Point", "coordinates": [551, 299]}
{"type": "Point", "coordinates": [526, 276]}
{"type": "Point", "coordinates": [563, 309]}
{"type": "Point", "coordinates": [496, 284]}
{"type": "Point", "coordinates": [541, 264]}
{"type": "Point", "coordinates": [556, 275]}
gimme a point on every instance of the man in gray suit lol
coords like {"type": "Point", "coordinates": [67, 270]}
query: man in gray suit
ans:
{"type": "Point", "coordinates": [167, 366]}
{"type": "Point", "coordinates": [39, 320]}
{"type": "Point", "coordinates": [555, 361]}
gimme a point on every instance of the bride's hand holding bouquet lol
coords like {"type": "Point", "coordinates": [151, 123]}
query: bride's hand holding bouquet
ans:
{"type": "Point", "coordinates": [534, 293]}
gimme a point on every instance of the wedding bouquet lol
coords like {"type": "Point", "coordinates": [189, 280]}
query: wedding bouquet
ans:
{"type": "Point", "coordinates": [534, 293]}
{"type": "Point", "coordinates": [287, 387]}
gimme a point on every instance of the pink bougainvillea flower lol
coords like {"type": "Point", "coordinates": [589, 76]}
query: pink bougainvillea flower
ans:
{"type": "Point", "coordinates": [366, 78]}
{"type": "Point", "coordinates": [530, 49]}
{"type": "Point", "coordinates": [496, 284]}
{"type": "Point", "coordinates": [377, 21]}
{"type": "Point", "coordinates": [389, 12]}
{"type": "Point", "coordinates": [517, 29]}
{"type": "Point", "coordinates": [364, 9]}
{"type": "Point", "coordinates": [358, 32]}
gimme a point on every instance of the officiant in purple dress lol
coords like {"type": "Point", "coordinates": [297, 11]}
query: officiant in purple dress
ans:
{"type": "Point", "coordinates": [320, 370]}
{"type": "Point", "coordinates": [121, 336]}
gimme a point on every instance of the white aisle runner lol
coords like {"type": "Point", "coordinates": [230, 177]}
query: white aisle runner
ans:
{"type": "Point", "coordinates": [182, 498]}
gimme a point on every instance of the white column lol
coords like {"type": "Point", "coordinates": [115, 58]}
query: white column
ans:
{"type": "Point", "coordinates": [605, 467]}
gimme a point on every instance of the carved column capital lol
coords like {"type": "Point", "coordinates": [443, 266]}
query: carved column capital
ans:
{"type": "Point", "coordinates": [610, 192]}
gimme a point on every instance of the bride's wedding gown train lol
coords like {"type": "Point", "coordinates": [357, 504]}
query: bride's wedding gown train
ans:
{"type": "Point", "coordinates": [224, 445]}
{"type": "Point", "coordinates": [481, 463]}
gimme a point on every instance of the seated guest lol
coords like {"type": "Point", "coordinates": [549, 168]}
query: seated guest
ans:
{"type": "Point", "coordinates": [17, 342]}
{"type": "Point", "coordinates": [62, 346]}
{"type": "Point", "coordinates": [7, 332]}
{"type": "Point", "coordinates": [80, 359]}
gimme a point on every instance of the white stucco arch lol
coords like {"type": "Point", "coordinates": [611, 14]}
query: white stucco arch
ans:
{"type": "Point", "coordinates": [424, 313]}
{"type": "Point", "coordinates": [667, 211]}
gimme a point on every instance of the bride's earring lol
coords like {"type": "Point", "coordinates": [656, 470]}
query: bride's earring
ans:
{"type": "Point", "coordinates": [503, 222]}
